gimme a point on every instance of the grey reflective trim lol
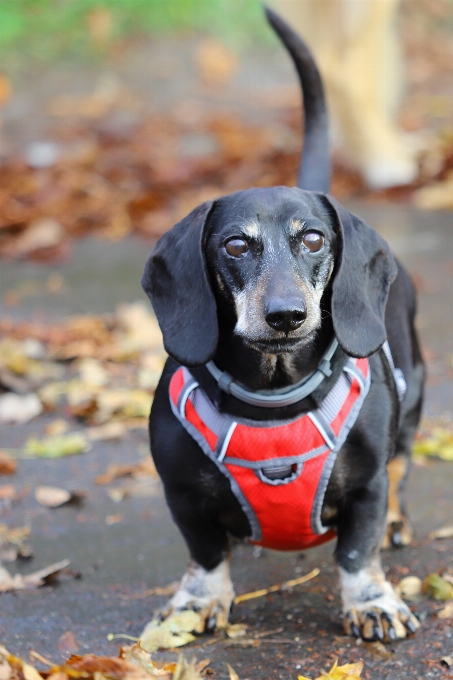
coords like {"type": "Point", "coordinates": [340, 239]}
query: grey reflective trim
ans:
{"type": "Point", "coordinates": [398, 375]}
{"type": "Point", "coordinates": [261, 474]}
{"type": "Point", "coordinates": [335, 399]}
{"type": "Point", "coordinates": [323, 428]}
{"type": "Point", "coordinates": [224, 440]}
{"type": "Point", "coordinates": [352, 369]}
{"type": "Point", "coordinates": [190, 385]}
{"type": "Point", "coordinates": [217, 422]}
{"type": "Point", "coordinates": [275, 398]}
{"type": "Point", "coordinates": [316, 524]}
{"type": "Point", "coordinates": [203, 444]}
{"type": "Point", "coordinates": [274, 462]}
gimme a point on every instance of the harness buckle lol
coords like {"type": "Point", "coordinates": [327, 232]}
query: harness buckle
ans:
{"type": "Point", "coordinates": [224, 382]}
{"type": "Point", "coordinates": [324, 368]}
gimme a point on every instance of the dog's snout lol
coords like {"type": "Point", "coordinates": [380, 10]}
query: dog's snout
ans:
{"type": "Point", "coordinates": [286, 316]}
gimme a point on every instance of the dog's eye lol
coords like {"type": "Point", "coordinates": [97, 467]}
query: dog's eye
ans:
{"type": "Point", "coordinates": [236, 247]}
{"type": "Point", "coordinates": [313, 240]}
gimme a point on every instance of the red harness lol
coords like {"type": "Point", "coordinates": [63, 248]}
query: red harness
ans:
{"type": "Point", "coordinates": [278, 471]}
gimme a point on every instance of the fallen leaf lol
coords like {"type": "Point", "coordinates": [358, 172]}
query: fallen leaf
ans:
{"type": "Point", "coordinates": [409, 588]}
{"type": "Point", "coordinates": [444, 532]}
{"type": "Point", "coordinates": [8, 466]}
{"type": "Point", "coordinates": [378, 649]}
{"type": "Point", "coordinates": [33, 580]}
{"type": "Point", "coordinates": [14, 543]}
{"type": "Point", "coordinates": [438, 196]}
{"type": "Point", "coordinates": [40, 234]}
{"type": "Point", "coordinates": [57, 446]}
{"type": "Point", "coordinates": [68, 643]}
{"type": "Point", "coordinates": [446, 612]}
{"type": "Point", "coordinates": [175, 631]}
{"type": "Point", "coordinates": [141, 469]}
{"type": "Point", "coordinates": [11, 667]}
{"type": "Point", "coordinates": [216, 63]}
{"type": "Point", "coordinates": [350, 671]}
{"type": "Point", "coordinates": [56, 427]}
{"type": "Point", "coordinates": [439, 443]}
{"type": "Point", "coordinates": [52, 496]}
{"type": "Point", "coordinates": [232, 673]}
{"type": "Point", "coordinates": [7, 492]}
{"type": "Point", "coordinates": [437, 588]}
{"type": "Point", "coordinates": [107, 432]}
{"type": "Point", "coordinates": [235, 630]}
{"type": "Point", "coordinates": [17, 409]}
{"type": "Point", "coordinates": [447, 661]}
{"type": "Point", "coordinates": [113, 519]}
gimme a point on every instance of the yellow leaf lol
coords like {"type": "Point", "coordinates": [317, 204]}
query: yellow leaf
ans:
{"type": "Point", "coordinates": [232, 672]}
{"type": "Point", "coordinates": [57, 446]}
{"type": "Point", "coordinates": [437, 587]}
{"type": "Point", "coordinates": [439, 443]}
{"type": "Point", "coordinates": [175, 631]}
{"type": "Point", "coordinates": [349, 671]}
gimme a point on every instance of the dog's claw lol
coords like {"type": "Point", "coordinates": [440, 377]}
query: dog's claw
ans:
{"type": "Point", "coordinates": [375, 624]}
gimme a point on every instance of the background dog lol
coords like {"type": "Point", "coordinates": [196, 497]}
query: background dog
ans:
{"type": "Point", "coordinates": [357, 48]}
{"type": "Point", "coordinates": [262, 282]}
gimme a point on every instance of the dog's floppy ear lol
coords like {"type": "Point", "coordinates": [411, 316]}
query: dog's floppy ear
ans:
{"type": "Point", "coordinates": [364, 271]}
{"type": "Point", "coordinates": [176, 281]}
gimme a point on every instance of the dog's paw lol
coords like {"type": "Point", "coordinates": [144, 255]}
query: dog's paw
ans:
{"type": "Point", "coordinates": [386, 619]}
{"type": "Point", "coordinates": [371, 608]}
{"type": "Point", "coordinates": [208, 593]}
{"type": "Point", "coordinates": [398, 534]}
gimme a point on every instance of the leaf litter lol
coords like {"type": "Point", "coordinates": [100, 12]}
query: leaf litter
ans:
{"type": "Point", "coordinates": [102, 370]}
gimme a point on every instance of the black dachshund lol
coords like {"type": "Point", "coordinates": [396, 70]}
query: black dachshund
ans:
{"type": "Point", "coordinates": [287, 409]}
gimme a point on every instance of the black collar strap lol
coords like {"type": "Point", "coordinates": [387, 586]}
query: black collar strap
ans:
{"type": "Point", "coordinates": [276, 398]}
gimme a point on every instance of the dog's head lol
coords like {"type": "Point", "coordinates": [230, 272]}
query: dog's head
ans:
{"type": "Point", "coordinates": [265, 258]}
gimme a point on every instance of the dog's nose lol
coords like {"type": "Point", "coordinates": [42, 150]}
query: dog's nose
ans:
{"type": "Point", "coordinates": [285, 317]}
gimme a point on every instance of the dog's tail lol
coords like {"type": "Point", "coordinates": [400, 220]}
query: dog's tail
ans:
{"type": "Point", "coordinates": [315, 164]}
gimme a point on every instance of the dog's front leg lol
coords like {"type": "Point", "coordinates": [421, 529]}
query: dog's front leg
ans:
{"type": "Point", "coordinates": [371, 608]}
{"type": "Point", "coordinates": [209, 593]}
{"type": "Point", "coordinates": [206, 586]}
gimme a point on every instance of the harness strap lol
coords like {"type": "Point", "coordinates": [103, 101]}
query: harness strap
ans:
{"type": "Point", "coordinates": [398, 376]}
{"type": "Point", "coordinates": [276, 398]}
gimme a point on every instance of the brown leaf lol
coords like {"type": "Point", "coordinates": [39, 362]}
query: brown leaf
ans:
{"type": "Point", "coordinates": [8, 466]}
{"type": "Point", "coordinates": [68, 643]}
{"type": "Point", "coordinates": [144, 468]}
{"type": "Point", "coordinates": [7, 492]}
{"type": "Point", "coordinates": [42, 234]}
{"type": "Point", "coordinates": [216, 63]}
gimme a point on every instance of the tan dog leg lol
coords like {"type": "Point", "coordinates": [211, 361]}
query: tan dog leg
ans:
{"type": "Point", "coordinates": [356, 45]}
{"type": "Point", "coordinates": [399, 531]}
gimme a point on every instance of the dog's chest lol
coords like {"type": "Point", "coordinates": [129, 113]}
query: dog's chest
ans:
{"type": "Point", "coordinates": [278, 471]}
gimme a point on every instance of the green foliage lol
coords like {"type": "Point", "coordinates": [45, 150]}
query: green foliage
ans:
{"type": "Point", "coordinates": [46, 30]}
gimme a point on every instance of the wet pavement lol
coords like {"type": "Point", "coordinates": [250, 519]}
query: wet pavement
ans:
{"type": "Point", "coordinates": [141, 548]}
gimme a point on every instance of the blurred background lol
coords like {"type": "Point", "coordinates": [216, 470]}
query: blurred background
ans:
{"type": "Point", "coordinates": [117, 118]}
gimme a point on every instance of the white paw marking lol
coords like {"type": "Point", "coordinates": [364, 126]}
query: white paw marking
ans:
{"type": "Point", "coordinates": [208, 592]}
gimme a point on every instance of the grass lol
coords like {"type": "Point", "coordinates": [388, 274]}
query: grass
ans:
{"type": "Point", "coordinates": [48, 30]}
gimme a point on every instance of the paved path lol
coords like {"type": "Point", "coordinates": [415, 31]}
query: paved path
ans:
{"type": "Point", "coordinates": [144, 548]}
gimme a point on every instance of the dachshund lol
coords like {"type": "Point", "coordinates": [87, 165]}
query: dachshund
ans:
{"type": "Point", "coordinates": [289, 402]}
